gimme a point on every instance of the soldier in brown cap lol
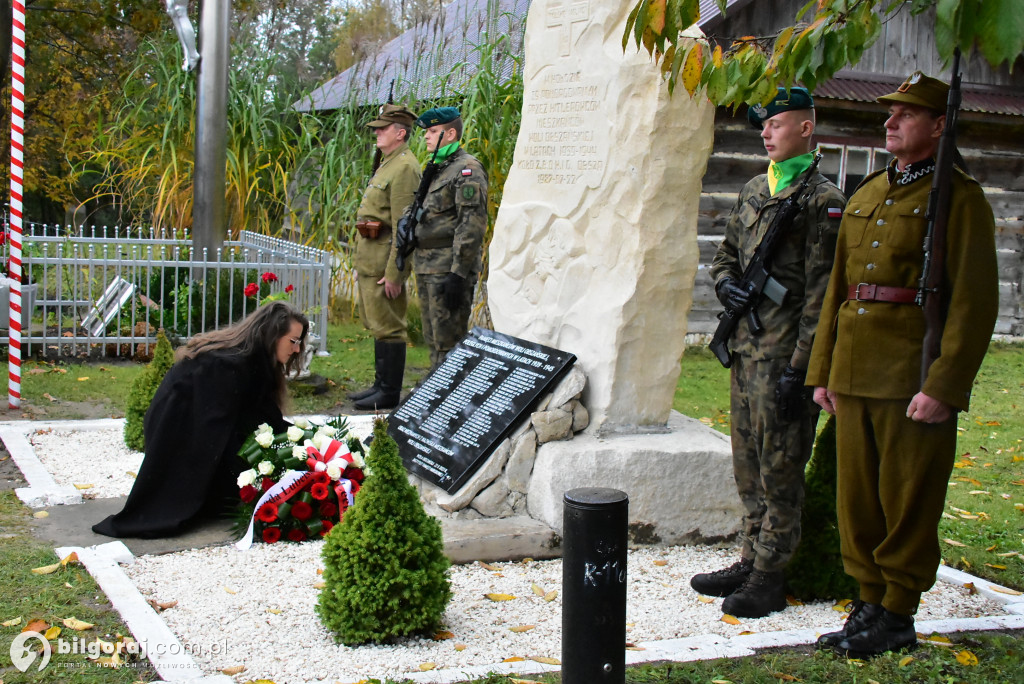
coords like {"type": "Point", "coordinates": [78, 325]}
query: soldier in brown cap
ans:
{"type": "Point", "coordinates": [382, 291]}
{"type": "Point", "coordinates": [896, 436]}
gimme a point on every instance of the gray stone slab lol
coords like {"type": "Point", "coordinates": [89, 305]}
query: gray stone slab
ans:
{"type": "Point", "coordinates": [497, 539]}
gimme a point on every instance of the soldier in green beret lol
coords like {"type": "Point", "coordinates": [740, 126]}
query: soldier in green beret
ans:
{"type": "Point", "coordinates": [382, 291]}
{"type": "Point", "coordinates": [773, 417]}
{"type": "Point", "coordinates": [896, 437]}
{"type": "Point", "coordinates": [450, 234]}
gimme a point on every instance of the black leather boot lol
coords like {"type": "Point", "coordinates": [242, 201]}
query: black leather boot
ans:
{"type": "Point", "coordinates": [859, 619]}
{"type": "Point", "coordinates": [378, 363]}
{"type": "Point", "coordinates": [889, 632]}
{"type": "Point", "coordinates": [763, 593]}
{"type": "Point", "coordinates": [392, 369]}
{"type": "Point", "coordinates": [723, 582]}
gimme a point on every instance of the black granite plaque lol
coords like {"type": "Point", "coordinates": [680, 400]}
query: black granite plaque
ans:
{"type": "Point", "coordinates": [453, 421]}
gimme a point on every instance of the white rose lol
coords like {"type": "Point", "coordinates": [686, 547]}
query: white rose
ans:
{"type": "Point", "coordinates": [302, 423]}
{"type": "Point", "coordinates": [320, 441]}
{"type": "Point", "coordinates": [265, 467]}
{"type": "Point", "coordinates": [265, 439]}
{"type": "Point", "coordinates": [264, 427]}
{"type": "Point", "coordinates": [295, 433]}
{"type": "Point", "coordinates": [333, 470]}
{"type": "Point", "coordinates": [246, 478]}
{"type": "Point", "coordinates": [328, 430]}
{"type": "Point", "coordinates": [357, 460]}
{"type": "Point", "coordinates": [298, 451]}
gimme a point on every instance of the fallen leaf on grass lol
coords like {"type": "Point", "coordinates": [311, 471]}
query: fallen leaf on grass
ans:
{"type": "Point", "coordinates": [966, 658]}
{"type": "Point", "coordinates": [499, 597]}
{"type": "Point", "coordinates": [997, 567]}
{"type": "Point", "coordinates": [906, 660]}
{"type": "Point", "coordinates": [52, 633]}
{"type": "Point", "coordinates": [513, 680]}
{"type": "Point", "coordinates": [49, 396]}
{"type": "Point", "coordinates": [519, 629]}
{"type": "Point", "coordinates": [721, 681]}
{"type": "Point", "coordinates": [1004, 590]}
{"type": "Point", "coordinates": [544, 660]}
{"type": "Point", "coordinates": [36, 625]}
{"type": "Point", "coordinates": [75, 623]}
{"type": "Point", "coordinates": [233, 670]}
{"type": "Point", "coordinates": [953, 542]}
{"type": "Point", "coordinates": [83, 378]}
{"type": "Point", "coordinates": [730, 619]}
{"type": "Point", "coordinates": [785, 677]}
{"type": "Point", "coordinates": [46, 569]}
{"type": "Point", "coordinates": [12, 622]}
{"type": "Point", "coordinates": [935, 639]}
{"type": "Point", "coordinates": [70, 558]}
{"type": "Point", "coordinates": [979, 491]}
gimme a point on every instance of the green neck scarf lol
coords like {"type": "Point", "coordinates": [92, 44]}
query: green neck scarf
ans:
{"type": "Point", "coordinates": [446, 151]}
{"type": "Point", "coordinates": [783, 174]}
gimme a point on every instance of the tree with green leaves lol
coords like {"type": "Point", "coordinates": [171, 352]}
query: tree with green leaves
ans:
{"type": "Point", "coordinates": [827, 36]}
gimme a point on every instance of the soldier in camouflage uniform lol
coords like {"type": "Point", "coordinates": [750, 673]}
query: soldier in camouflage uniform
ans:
{"type": "Point", "coordinates": [382, 292]}
{"type": "Point", "coordinates": [450, 234]}
{"type": "Point", "coordinates": [773, 416]}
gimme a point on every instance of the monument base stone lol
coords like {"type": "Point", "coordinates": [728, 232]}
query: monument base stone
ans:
{"type": "Point", "coordinates": [680, 484]}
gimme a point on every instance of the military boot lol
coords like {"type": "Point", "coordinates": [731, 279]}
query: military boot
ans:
{"type": "Point", "coordinates": [889, 632]}
{"type": "Point", "coordinates": [378, 366]}
{"type": "Point", "coordinates": [723, 582]}
{"type": "Point", "coordinates": [761, 594]}
{"type": "Point", "coordinates": [389, 393]}
{"type": "Point", "coordinates": [859, 619]}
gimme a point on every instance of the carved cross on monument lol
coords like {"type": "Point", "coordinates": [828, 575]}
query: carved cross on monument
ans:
{"type": "Point", "coordinates": [565, 13]}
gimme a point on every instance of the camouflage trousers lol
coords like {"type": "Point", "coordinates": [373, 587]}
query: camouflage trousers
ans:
{"type": "Point", "coordinates": [442, 327]}
{"type": "Point", "coordinates": [768, 461]}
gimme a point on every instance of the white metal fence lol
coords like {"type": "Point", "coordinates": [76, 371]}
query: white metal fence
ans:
{"type": "Point", "coordinates": [106, 291]}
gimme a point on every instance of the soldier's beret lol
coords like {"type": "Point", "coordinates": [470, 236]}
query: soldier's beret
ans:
{"type": "Point", "coordinates": [391, 113]}
{"type": "Point", "coordinates": [785, 101]}
{"type": "Point", "coordinates": [438, 115]}
{"type": "Point", "coordinates": [920, 90]}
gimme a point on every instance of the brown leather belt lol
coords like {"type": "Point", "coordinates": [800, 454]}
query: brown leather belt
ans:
{"type": "Point", "coordinates": [868, 292]}
{"type": "Point", "coordinates": [371, 229]}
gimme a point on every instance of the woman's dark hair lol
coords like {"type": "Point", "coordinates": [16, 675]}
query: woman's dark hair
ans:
{"type": "Point", "coordinates": [257, 332]}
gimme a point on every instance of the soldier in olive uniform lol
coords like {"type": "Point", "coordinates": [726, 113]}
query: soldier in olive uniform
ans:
{"type": "Point", "coordinates": [773, 416]}
{"type": "Point", "coordinates": [450, 234]}
{"type": "Point", "coordinates": [382, 291]}
{"type": "Point", "coordinates": [896, 437]}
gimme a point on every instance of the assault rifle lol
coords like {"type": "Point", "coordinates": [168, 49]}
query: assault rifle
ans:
{"type": "Point", "coordinates": [757, 278]}
{"type": "Point", "coordinates": [378, 156]}
{"type": "Point", "coordinates": [405, 233]}
{"type": "Point", "coordinates": [930, 295]}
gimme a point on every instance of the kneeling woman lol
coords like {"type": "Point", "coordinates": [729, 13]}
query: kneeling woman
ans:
{"type": "Point", "coordinates": [222, 386]}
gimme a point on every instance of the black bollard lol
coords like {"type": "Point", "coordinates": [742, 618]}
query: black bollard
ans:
{"type": "Point", "coordinates": [594, 549]}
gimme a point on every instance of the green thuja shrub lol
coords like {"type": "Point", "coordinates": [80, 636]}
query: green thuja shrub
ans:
{"type": "Point", "coordinates": [141, 394]}
{"type": "Point", "coordinates": [816, 569]}
{"type": "Point", "coordinates": [385, 572]}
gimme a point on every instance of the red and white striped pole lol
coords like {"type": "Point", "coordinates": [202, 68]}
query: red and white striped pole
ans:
{"type": "Point", "coordinates": [17, 177]}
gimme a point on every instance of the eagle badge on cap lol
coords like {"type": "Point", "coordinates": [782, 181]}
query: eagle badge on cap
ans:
{"type": "Point", "coordinates": [914, 79]}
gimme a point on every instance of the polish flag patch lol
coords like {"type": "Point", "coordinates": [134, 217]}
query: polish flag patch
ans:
{"type": "Point", "coordinates": [467, 172]}
{"type": "Point", "coordinates": [835, 212]}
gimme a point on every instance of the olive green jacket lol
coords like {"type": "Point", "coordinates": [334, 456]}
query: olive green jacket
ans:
{"type": "Point", "coordinates": [873, 349]}
{"type": "Point", "coordinates": [388, 194]}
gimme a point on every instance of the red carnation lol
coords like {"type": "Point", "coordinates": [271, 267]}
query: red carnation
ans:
{"type": "Point", "coordinates": [248, 493]}
{"type": "Point", "coordinates": [266, 484]}
{"type": "Point", "coordinates": [296, 535]}
{"type": "Point", "coordinates": [319, 491]}
{"type": "Point", "coordinates": [289, 288]}
{"type": "Point", "coordinates": [267, 513]}
{"type": "Point", "coordinates": [251, 289]}
{"type": "Point", "coordinates": [271, 534]}
{"type": "Point", "coordinates": [269, 277]}
{"type": "Point", "coordinates": [327, 525]}
{"type": "Point", "coordinates": [328, 510]}
{"type": "Point", "coordinates": [353, 473]}
{"type": "Point", "coordinates": [321, 476]}
{"type": "Point", "coordinates": [301, 510]}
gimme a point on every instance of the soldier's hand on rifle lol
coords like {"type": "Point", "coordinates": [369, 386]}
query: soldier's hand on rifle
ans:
{"type": "Point", "coordinates": [453, 288]}
{"type": "Point", "coordinates": [790, 394]}
{"type": "Point", "coordinates": [732, 295]}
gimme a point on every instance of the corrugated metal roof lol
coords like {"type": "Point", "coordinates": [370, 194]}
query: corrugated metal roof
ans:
{"type": "Point", "coordinates": [863, 88]}
{"type": "Point", "coordinates": [439, 56]}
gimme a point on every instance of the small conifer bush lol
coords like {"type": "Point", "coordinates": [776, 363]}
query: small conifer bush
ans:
{"type": "Point", "coordinates": [816, 569]}
{"type": "Point", "coordinates": [385, 572]}
{"type": "Point", "coordinates": [141, 394]}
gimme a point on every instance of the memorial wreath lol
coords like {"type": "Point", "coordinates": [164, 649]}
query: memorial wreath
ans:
{"type": "Point", "coordinates": [299, 483]}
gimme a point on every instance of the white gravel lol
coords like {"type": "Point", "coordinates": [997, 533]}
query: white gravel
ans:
{"type": "Point", "coordinates": [95, 461]}
{"type": "Point", "coordinates": [256, 609]}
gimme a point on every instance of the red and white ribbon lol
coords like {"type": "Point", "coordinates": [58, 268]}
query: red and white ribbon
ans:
{"type": "Point", "coordinates": [17, 181]}
{"type": "Point", "coordinates": [290, 484]}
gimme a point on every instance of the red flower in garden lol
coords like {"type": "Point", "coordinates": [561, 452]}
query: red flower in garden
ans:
{"type": "Point", "coordinates": [269, 277]}
{"type": "Point", "coordinates": [301, 510]}
{"type": "Point", "coordinates": [319, 491]}
{"type": "Point", "coordinates": [266, 484]}
{"type": "Point", "coordinates": [251, 289]}
{"type": "Point", "coordinates": [353, 473]}
{"type": "Point", "coordinates": [267, 513]}
{"type": "Point", "coordinates": [271, 534]}
{"type": "Point", "coordinates": [327, 510]}
{"type": "Point", "coordinates": [289, 288]}
{"type": "Point", "coordinates": [296, 535]}
{"type": "Point", "coordinates": [327, 525]}
{"type": "Point", "coordinates": [248, 493]}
